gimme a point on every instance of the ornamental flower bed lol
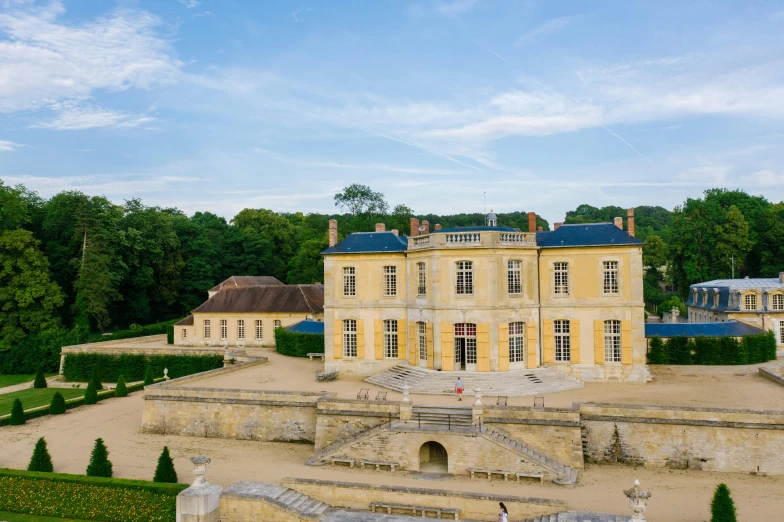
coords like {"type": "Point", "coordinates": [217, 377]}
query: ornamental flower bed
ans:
{"type": "Point", "coordinates": [87, 498]}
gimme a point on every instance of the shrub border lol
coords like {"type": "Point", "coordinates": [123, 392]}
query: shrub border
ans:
{"type": "Point", "coordinates": [161, 488]}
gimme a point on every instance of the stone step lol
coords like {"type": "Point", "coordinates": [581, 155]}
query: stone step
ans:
{"type": "Point", "coordinates": [302, 504]}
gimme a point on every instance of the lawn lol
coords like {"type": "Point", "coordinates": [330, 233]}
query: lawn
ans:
{"type": "Point", "coordinates": [10, 380]}
{"type": "Point", "coordinates": [17, 517]}
{"type": "Point", "coordinates": [33, 398]}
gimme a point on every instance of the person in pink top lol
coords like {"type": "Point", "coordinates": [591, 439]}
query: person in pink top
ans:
{"type": "Point", "coordinates": [503, 514]}
{"type": "Point", "coordinates": [459, 389]}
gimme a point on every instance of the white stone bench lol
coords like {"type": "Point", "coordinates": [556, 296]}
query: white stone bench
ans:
{"type": "Point", "coordinates": [525, 474]}
{"type": "Point", "coordinates": [378, 464]}
{"type": "Point", "coordinates": [415, 510]}
{"type": "Point", "coordinates": [319, 355]}
{"type": "Point", "coordinates": [343, 460]}
{"type": "Point", "coordinates": [490, 473]}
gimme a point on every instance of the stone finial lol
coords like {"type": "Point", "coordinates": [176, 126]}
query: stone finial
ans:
{"type": "Point", "coordinates": [165, 374]}
{"type": "Point", "coordinates": [675, 313]}
{"type": "Point", "coordinates": [478, 396]}
{"type": "Point", "coordinates": [406, 391]}
{"type": "Point", "coordinates": [199, 469]}
{"type": "Point", "coordinates": [638, 501]}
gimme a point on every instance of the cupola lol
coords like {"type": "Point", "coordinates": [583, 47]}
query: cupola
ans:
{"type": "Point", "coordinates": [492, 219]}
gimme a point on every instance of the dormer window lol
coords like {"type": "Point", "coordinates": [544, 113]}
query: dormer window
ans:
{"type": "Point", "coordinates": [750, 301]}
{"type": "Point", "coordinates": [715, 299]}
{"type": "Point", "coordinates": [694, 296]}
{"type": "Point", "coordinates": [777, 301]}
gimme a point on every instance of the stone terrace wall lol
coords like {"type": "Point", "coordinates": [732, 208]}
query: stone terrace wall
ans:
{"type": "Point", "coordinates": [711, 439]}
{"type": "Point", "coordinates": [345, 418]}
{"type": "Point", "coordinates": [554, 432]}
{"type": "Point", "coordinates": [473, 506]}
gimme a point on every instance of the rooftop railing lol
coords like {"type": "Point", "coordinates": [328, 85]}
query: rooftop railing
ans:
{"type": "Point", "coordinates": [485, 238]}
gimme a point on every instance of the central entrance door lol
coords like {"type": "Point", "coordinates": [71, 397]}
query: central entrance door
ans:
{"type": "Point", "coordinates": [433, 458]}
{"type": "Point", "coordinates": [465, 347]}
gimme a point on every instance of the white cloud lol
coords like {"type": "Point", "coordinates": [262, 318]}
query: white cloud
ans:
{"type": "Point", "coordinates": [201, 15]}
{"type": "Point", "coordinates": [80, 117]}
{"type": "Point", "coordinates": [296, 12]}
{"type": "Point", "coordinates": [455, 6]}
{"type": "Point", "coordinates": [8, 146]}
{"type": "Point", "coordinates": [549, 27]}
{"type": "Point", "coordinates": [190, 4]}
{"type": "Point", "coordinates": [43, 59]}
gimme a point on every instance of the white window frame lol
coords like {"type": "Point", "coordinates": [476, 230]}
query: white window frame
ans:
{"type": "Point", "coordinates": [750, 299]}
{"type": "Point", "coordinates": [422, 336]}
{"type": "Point", "coordinates": [240, 329]}
{"type": "Point", "coordinates": [277, 324]}
{"type": "Point", "coordinates": [390, 281]}
{"type": "Point", "coordinates": [612, 341]}
{"type": "Point", "coordinates": [561, 278]}
{"type": "Point", "coordinates": [349, 281]}
{"type": "Point", "coordinates": [777, 302]}
{"type": "Point", "coordinates": [715, 299]}
{"type": "Point", "coordinates": [781, 332]}
{"type": "Point", "coordinates": [562, 340]}
{"type": "Point", "coordinates": [516, 342]}
{"type": "Point", "coordinates": [259, 330]}
{"type": "Point", "coordinates": [421, 279]}
{"type": "Point", "coordinates": [514, 277]}
{"type": "Point", "coordinates": [611, 270]}
{"type": "Point", "coordinates": [466, 331]}
{"type": "Point", "coordinates": [350, 338]}
{"type": "Point", "coordinates": [390, 339]}
{"type": "Point", "coordinates": [464, 278]}
{"type": "Point", "coordinates": [207, 329]}
{"type": "Point", "coordinates": [224, 329]}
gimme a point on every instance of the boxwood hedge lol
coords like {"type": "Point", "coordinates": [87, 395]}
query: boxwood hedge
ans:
{"type": "Point", "coordinates": [78, 366]}
{"type": "Point", "coordinates": [298, 344]}
{"type": "Point", "coordinates": [751, 349]}
{"type": "Point", "coordinates": [87, 498]}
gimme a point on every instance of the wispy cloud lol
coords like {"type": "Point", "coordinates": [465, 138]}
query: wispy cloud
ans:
{"type": "Point", "coordinates": [297, 12]}
{"type": "Point", "coordinates": [201, 15]}
{"type": "Point", "coordinates": [548, 28]}
{"type": "Point", "coordinates": [455, 6]}
{"type": "Point", "coordinates": [8, 146]}
{"type": "Point", "coordinates": [190, 4]}
{"type": "Point", "coordinates": [74, 116]}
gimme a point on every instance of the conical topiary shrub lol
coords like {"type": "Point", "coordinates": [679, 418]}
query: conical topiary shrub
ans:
{"type": "Point", "coordinates": [91, 394]}
{"type": "Point", "coordinates": [41, 460]}
{"type": "Point", "coordinates": [148, 376]}
{"type": "Point", "coordinates": [165, 471]}
{"type": "Point", "coordinates": [722, 506]}
{"type": "Point", "coordinates": [100, 465]}
{"type": "Point", "coordinates": [120, 390]}
{"type": "Point", "coordinates": [17, 413]}
{"type": "Point", "coordinates": [40, 379]}
{"type": "Point", "coordinates": [96, 380]}
{"type": "Point", "coordinates": [57, 405]}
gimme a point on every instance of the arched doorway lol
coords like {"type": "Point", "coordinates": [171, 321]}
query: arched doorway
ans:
{"type": "Point", "coordinates": [433, 458]}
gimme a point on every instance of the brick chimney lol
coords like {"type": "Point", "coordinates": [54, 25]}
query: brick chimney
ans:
{"type": "Point", "coordinates": [532, 221]}
{"type": "Point", "coordinates": [556, 226]}
{"type": "Point", "coordinates": [438, 226]}
{"type": "Point", "coordinates": [381, 227]}
{"type": "Point", "coordinates": [414, 227]}
{"type": "Point", "coordinates": [333, 232]}
{"type": "Point", "coordinates": [426, 227]}
{"type": "Point", "coordinates": [540, 229]}
{"type": "Point", "coordinates": [394, 231]}
{"type": "Point", "coordinates": [781, 277]}
{"type": "Point", "coordinates": [630, 221]}
{"type": "Point", "coordinates": [618, 222]}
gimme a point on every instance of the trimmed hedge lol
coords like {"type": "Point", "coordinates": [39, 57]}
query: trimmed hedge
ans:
{"type": "Point", "coordinates": [170, 334]}
{"type": "Point", "coordinates": [140, 331]}
{"type": "Point", "coordinates": [298, 344]}
{"type": "Point", "coordinates": [39, 351]}
{"type": "Point", "coordinates": [78, 366]}
{"type": "Point", "coordinates": [751, 349]}
{"type": "Point", "coordinates": [87, 498]}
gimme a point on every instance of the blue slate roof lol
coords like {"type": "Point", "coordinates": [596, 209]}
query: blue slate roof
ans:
{"type": "Point", "coordinates": [369, 242]}
{"type": "Point", "coordinates": [586, 234]}
{"type": "Point", "coordinates": [727, 287]}
{"type": "Point", "coordinates": [307, 326]}
{"type": "Point", "coordinates": [728, 329]}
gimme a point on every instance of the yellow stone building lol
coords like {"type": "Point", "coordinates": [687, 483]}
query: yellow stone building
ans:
{"type": "Point", "coordinates": [487, 299]}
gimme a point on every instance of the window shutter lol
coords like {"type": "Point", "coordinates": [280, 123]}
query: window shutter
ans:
{"type": "Point", "coordinates": [548, 341]}
{"type": "Point", "coordinates": [598, 341]}
{"type": "Point", "coordinates": [626, 342]}
{"type": "Point", "coordinates": [360, 339]}
{"type": "Point", "coordinates": [401, 340]}
{"type": "Point", "coordinates": [337, 339]}
{"type": "Point", "coordinates": [447, 347]}
{"type": "Point", "coordinates": [429, 336]}
{"type": "Point", "coordinates": [574, 341]}
{"type": "Point", "coordinates": [413, 356]}
{"type": "Point", "coordinates": [503, 347]}
{"type": "Point", "coordinates": [483, 347]}
{"type": "Point", "coordinates": [530, 345]}
{"type": "Point", "coordinates": [378, 338]}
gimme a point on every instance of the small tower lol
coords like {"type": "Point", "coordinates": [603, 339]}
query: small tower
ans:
{"type": "Point", "coordinates": [492, 219]}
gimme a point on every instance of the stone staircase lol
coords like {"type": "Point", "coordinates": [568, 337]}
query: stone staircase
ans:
{"type": "Point", "coordinates": [579, 516]}
{"type": "Point", "coordinates": [514, 383]}
{"type": "Point", "coordinates": [566, 475]}
{"type": "Point", "coordinates": [319, 457]}
{"type": "Point", "coordinates": [281, 497]}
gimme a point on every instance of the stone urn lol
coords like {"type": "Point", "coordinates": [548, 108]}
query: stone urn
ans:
{"type": "Point", "coordinates": [199, 469]}
{"type": "Point", "coordinates": [638, 501]}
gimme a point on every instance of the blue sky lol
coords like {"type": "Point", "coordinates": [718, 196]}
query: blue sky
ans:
{"type": "Point", "coordinates": [225, 104]}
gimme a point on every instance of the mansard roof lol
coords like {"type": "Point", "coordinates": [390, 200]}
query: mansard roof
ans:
{"type": "Point", "coordinates": [585, 234]}
{"type": "Point", "coordinates": [369, 242]}
{"type": "Point", "coordinates": [307, 299]}
{"type": "Point", "coordinates": [729, 291]}
{"type": "Point", "coordinates": [728, 329]}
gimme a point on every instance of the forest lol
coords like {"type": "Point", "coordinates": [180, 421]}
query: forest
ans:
{"type": "Point", "coordinates": [77, 263]}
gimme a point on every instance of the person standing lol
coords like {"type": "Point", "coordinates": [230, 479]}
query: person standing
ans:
{"type": "Point", "coordinates": [459, 389]}
{"type": "Point", "coordinates": [503, 514]}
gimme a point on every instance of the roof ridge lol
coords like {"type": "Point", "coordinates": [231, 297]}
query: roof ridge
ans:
{"type": "Point", "coordinates": [305, 297]}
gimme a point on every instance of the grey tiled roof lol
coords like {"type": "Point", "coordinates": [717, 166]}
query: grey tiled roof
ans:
{"type": "Point", "coordinates": [369, 242]}
{"type": "Point", "coordinates": [759, 283]}
{"type": "Point", "coordinates": [306, 299]}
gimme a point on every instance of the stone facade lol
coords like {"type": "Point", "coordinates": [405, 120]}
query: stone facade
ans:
{"type": "Point", "coordinates": [193, 334]}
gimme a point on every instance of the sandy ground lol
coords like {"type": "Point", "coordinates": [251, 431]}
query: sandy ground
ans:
{"type": "Point", "coordinates": [713, 386]}
{"type": "Point", "coordinates": [678, 496]}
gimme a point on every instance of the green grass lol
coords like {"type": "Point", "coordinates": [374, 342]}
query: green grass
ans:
{"type": "Point", "coordinates": [33, 398]}
{"type": "Point", "coordinates": [10, 380]}
{"type": "Point", "coordinates": [17, 517]}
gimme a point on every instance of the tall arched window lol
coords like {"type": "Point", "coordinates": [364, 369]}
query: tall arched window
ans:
{"type": "Point", "coordinates": [465, 278]}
